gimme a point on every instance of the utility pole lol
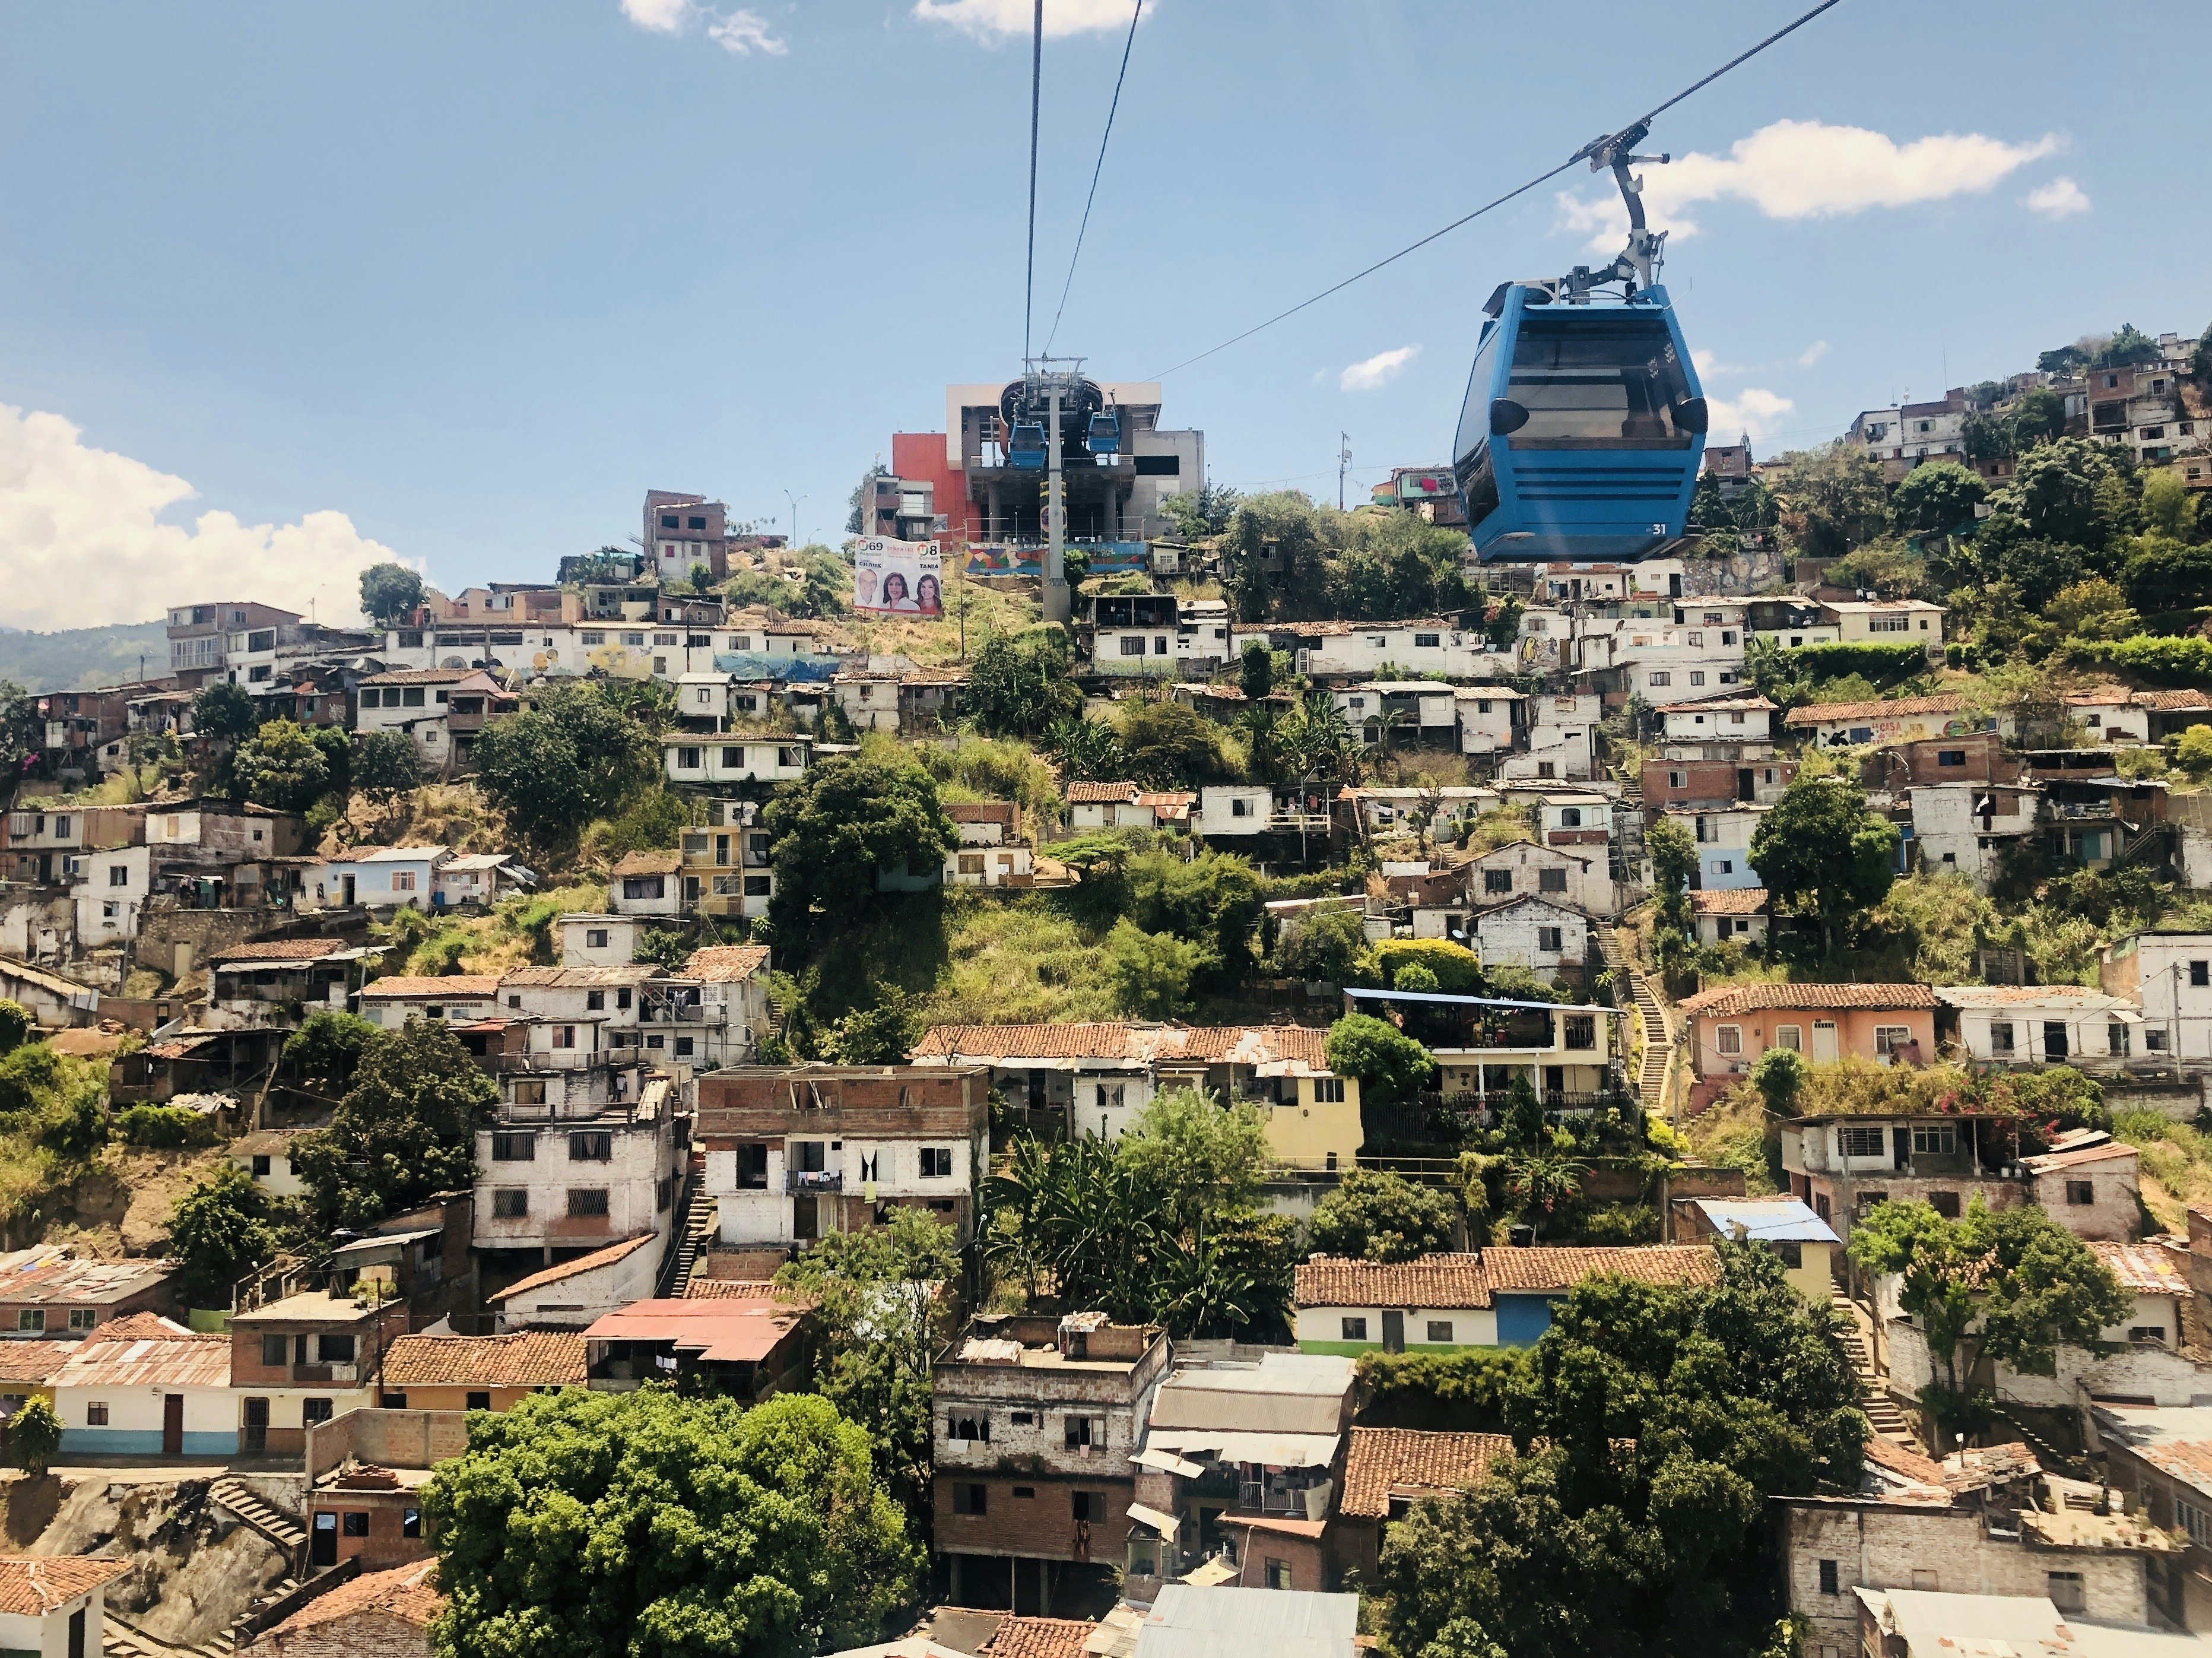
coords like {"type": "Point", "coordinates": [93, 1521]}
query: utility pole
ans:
{"type": "Point", "coordinates": [1056, 605]}
{"type": "Point", "coordinates": [1343, 461]}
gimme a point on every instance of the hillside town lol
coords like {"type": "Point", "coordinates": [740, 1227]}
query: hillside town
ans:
{"type": "Point", "coordinates": [1243, 1111]}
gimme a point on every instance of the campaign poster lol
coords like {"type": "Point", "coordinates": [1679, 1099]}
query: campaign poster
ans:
{"type": "Point", "coordinates": [898, 578]}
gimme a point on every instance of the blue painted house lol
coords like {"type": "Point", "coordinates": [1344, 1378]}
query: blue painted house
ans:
{"type": "Point", "coordinates": [1526, 1282]}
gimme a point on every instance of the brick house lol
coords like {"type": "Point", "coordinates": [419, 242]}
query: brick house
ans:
{"type": "Point", "coordinates": [306, 1358]}
{"type": "Point", "coordinates": [2160, 1456]}
{"type": "Point", "coordinates": [1731, 1027]}
{"type": "Point", "coordinates": [379, 1614]}
{"type": "Point", "coordinates": [47, 1291]}
{"type": "Point", "coordinates": [1037, 1422]}
{"type": "Point", "coordinates": [1388, 1470]}
{"type": "Point", "coordinates": [365, 1472]}
{"type": "Point", "coordinates": [1844, 1164]}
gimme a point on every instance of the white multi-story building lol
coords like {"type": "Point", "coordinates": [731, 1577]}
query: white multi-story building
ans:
{"type": "Point", "coordinates": [555, 1183]}
{"type": "Point", "coordinates": [729, 759]}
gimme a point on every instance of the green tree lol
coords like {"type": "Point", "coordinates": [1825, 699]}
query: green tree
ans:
{"type": "Point", "coordinates": [881, 1034]}
{"type": "Point", "coordinates": [221, 1230]}
{"type": "Point", "coordinates": [17, 1025]}
{"type": "Point", "coordinates": [385, 765]}
{"type": "Point", "coordinates": [1020, 685]}
{"type": "Point", "coordinates": [1324, 948]}
{"type": "Point", "coordinates": [388, 593]}
{"type": "Point", "coordinates": [1088, 750]}
{"type": "Point", "coordinates": [880, 1295]}
{"type": "Point", "coordinates": [2040, 417]}
{"type": "Point", "coordinates": [1255, 672]}
{"type": "Point", "coordinates": [2012, 1286]}
{"type": "Point", "coordinates": [405, 1130]}
{"type": "Point", "coordinates": [22, 736]}
{"type": "Point", "coordinates": [1778, 1075]}
{"type": "Point", "coordinates": [1203, 512]}
{"type": "Point", "coordinates": [1198, 1157]}
{"type": "Point", "coordinates": [2193, 750]}
{"type": "Point", "coordinates": [835, 830]}
{"type": "Point", "coordinates": [1651, 1425]}
{"type": "Point", "coordinates": [1150, 973]}
{"type": "Point", "coordinates": [2094, 609]}
{"type": "Point", "coordinates": [2163, 574]}
{"type": "Point", "coordinates": [1389, 1064]}
{"type": "Point", "coordinates": [1674, 852]}
{"type": "Point", "coordinates": [1170, 745]}
{"type": "Point", "coordinates": [1937, 498]}
{"type": "Point", "coordinates": [327, 1050]}
{"type": "Point", "coordinates": [2129, 346]}
{"type": "Point", "coordinates": [2056, 491]}
{"type": "Point", "coordinates": [579, 1523]}
{"type": "Point", "coordinates": [223, 712]}
{"type": "Point", "coordinates": [34, 1433]}
{"type": "Point", "coordinates": [571, 756]}
{"type": "Point", "coordinates": [2168, 508]}
{"type": "Point", "coordinates": [1832, 500]}
{"type": "Point", "coordinates": [281, 766]}
{"type": "Point", "coordinates": [1822, 854]}
{"type": "Point", "coordinates": [1376, 1216]}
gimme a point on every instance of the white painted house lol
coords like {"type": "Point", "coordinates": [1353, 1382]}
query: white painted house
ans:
{"type": "Point", "coordinates": [111, 895]}
{"type": "Point", "coordinates": [162, 1396]}
{"type": "Point", "coordinates": [381, 878]}
{"type": "Point", "coordinates": [1719, 719]}
{"type": "Point", "coordinates": [1575, 879]}
{"type": "Point", "coordinates": [56, 1604]}
{"type": "Point", "coordinates": [2044, 1025]}
{"type": "Point", "coordinates": [599, 940]}
{"type": "Point", "coordinates": [575, 1294]}
{"type": "Point", "coordinates": [688, 758]}
{"type": "Point", "coordinates": [1491, 718]}
{"type": "Point", "coordinates": [575, 1185]}
{"type": "Point", "coordinates": [1531, 932]}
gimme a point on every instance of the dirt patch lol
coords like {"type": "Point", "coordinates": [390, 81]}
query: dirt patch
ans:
{"type": "Point", "coordinates": [121, 1208]}
{"type": "Point", "coordinates": [32, 1502]}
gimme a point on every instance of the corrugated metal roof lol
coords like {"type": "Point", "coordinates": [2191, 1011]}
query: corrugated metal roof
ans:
{"type": "Point", "coordinates": [173, 1361]}
{"type": "Point", "coordinates": [1769, 1220]}
{"type": "Point", "coordinates": [718, 1331]}
{"type": "Point", "coordinates": [2147, 1269]}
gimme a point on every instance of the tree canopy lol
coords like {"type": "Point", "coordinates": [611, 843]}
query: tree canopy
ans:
{"type": "Point", "coordinates": [1376, 1216]}
{"type": "Point", "coordinates": [1821, 854]}
{"type": "Point", "coordinates": [221, 1230]}
{"type": "Point", "coordinates": [573, 755]}
{"type": "Point", "coordinates": [579, 1524]}
{"type": "Point", "coordinates": [405, 1130]}
{"type": "Point", "coordinates": [281, 765]}
{"type": "Point", "coordinates": [389, 591]}
{"type": "Point", "coordinates": [1020, 685]}
{"type": "Point", "coordinates": [836, 830]}
{"type": "Point", "coordinates": [1389, 1064]}
{"type": "Point", "coordinates": [1651, 1425]}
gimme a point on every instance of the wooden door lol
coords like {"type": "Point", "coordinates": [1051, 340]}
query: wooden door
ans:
{"type": "Point", "coordinates": [173, 1425]}
{"type": "Point", "coordinates": [1824, 1041]}
{"type": "Point", "coordinates": [1394, 1332]}
{"type": "Point", "coordinates": [324, 1551]}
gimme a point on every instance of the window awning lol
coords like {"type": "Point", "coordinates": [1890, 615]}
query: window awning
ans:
{"type": "Point", "coordinates": [1168, 1462]}
{"type": "Point", "coordinates": [1165, 1524]}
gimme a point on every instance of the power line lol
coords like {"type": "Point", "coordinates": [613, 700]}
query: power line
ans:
{"type": "Point", "coordinates": [1095, 172]}
{"type": "Point", "coordinates": [1500, 201]}
{"type": "Point", "coordinates": [1036, 88]}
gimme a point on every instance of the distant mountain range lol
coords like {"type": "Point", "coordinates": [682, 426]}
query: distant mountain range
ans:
{"type": "Point", "coordinates": [83, 658]}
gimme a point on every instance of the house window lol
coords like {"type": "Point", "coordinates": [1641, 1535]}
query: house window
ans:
{"type": "Point", "coordinates": [2200, 973]}
{"type": "Point", "coordinates": [95, 1414]}
{"type": "Point", "coordinates": [1546, 770]}
{"type": "Point", "coordinates": [1087, 1505]}
{"type": "Point", "coordinates": [2001, 1038]}
{"type": "Point", "coordinates": [118, 875]}
{"type": "Point", "coordinates": [1859, 1142]}
{"type": "Point", "coordinates": [1240, 808]}
{"type": "Point", "coordinates": [356, 1522]}
{"type": "Point", "coordinates": [2116, 1040]}
{"type": "Point", "coordinates": [595, 938]}
{"type": "Point", "coordinates": [592, 1147]}
{"type": "Point", "coordinates": [1551, 880]}
{"type": "Point", "coordinates": [1696, 676]}
{"type": "Point", "coordinates": [2066, 1591]}
{"type": "Point", "coordinates": [1945, 1204]}
{"type": "Point", "coordinates": [2148, 1333]}
{"type": "Point", "coordinates": [1355, 1330]}
{"type": "Point", "coordinates": [314, 1411]}
{"type": "Point", "coordinates": [1729, 1039]}
{"type": "Point", "coordinates": [1496, 881]}
{"type": "Point", "coordinates": [83, 1318]}
{"type": "Point", "coordinates": [1582, 1031]}
{"type": "Point", "coordinates": [31, 1317]}
{"type": "Point", "coordinates": [510, 1203]}
{"type": "Point", "coordinates": [937, 1162]}
{"type": "Point", "coordinates": [967, 1499]}
{"type": "Point", "coordinates": [1547, 938]}
{"type": "Point", "coordinates": [1791, 1037]}
{"type": "Point", "coordinates": [1935, 1139]}
{"type": "Point", "coordinates": [1132, 644]}
{"type": "Point", "coordinates": [410, 1522]}
{"type": "Point", "coordinates": [1328, 1090]}
{"type": "Point", "coordinates": [1829, 1581]}
{"type": "Point", "coordinates": [586, 1202]}
{"type": "Point", "coordinates": [759, 885]}
{"type": "Point", "coordinates": [530, 1091]}
{"type": "Point", "coordinates": [1277, 1573]}
{"type": "Point", "coordinates": [1888, 1039]}
{"type": "Point", "coordinates": [1083, 1431]}
{"type": "Point", "coordinates": [1571, 817]}
{"type": "Point", "coordinates": [1660, 679]}
{"type": "Point", "coordinates": [2081, 1193]}
{"type": "Point", "coordinates": [2194, 1521]}
{"type": "Point", "coordinates": [275, 1352]}
{"type": "Point", "coordinates": [1440, 1330]}
{"type": "Point", "coordinates": [595, 1001]}
{"type": "Point", "coordinates": [564, 1036]}
{"type": "Point", "coordinates": [335, 1348]}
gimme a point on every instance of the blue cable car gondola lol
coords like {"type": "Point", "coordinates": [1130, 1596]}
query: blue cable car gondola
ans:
{"type": "Point", "coordinates": [1583, 425]}
{"type": "Point", "coordinates": [1025, 447]}
{"type": "Point", "coordinates": [1105, 434]}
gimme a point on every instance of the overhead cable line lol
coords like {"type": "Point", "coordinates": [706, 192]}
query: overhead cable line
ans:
{"type": "Point", "coordinates": [1095, 172]}
{"type": "Point", "coordinates": [1036, 88]}
{"type": "Point", "coordinates": [1519, 190]}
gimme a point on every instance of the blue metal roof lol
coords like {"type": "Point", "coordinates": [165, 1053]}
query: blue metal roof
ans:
{"type": "Point", "coordinates": [1773, 1220]}
{"type": "Point", "coordinates": [1473, 1001]}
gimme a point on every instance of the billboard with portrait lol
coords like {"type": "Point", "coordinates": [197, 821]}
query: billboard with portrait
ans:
{"type": "Point", "coordinates": [897, 578]}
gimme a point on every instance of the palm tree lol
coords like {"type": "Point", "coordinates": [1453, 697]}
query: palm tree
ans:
{"type": "Point", "coordinates": [1263, 740]}
{"type": "Point", "coordinates": [1544, 1182]}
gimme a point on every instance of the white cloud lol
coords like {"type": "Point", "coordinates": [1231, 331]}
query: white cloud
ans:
{"type": "Point", "coordinates": [661, 16]}
{"type": "Point", "coordinates": [83, 543]}
{"type": "Point", "coordinates": [1752, 409]}
{"type": "Point", "coordinates": [1378, 370]}
{"type": "Point", "coordinates": [2059, 199]}
{"type": "Point", "coordinates": [1807, 170]}
{"type": "Point", "coordinates": [745, 31]}
{"type": "Point", "coordinates": [989, 20]}
{"type": "Point", "coordinates": [740, 32]}
{"type": "Point", "coordinates": [1812, 354]}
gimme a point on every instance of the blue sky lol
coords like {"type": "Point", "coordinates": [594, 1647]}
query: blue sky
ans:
{"type": "Point", "coordinates": [462, 281]}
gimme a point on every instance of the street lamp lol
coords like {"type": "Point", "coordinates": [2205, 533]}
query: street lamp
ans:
{"type": "Point", "coordinates": [795, 500]}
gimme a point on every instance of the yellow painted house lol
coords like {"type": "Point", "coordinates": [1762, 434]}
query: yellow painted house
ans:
{"type": "Point", "coordinates": [1806, 1244]}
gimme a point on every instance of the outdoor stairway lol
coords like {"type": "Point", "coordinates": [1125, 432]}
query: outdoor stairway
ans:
{"type": "Point", "coordinates": [1658, 1041]}
{"type": "Point", "coordinates": [124, 1640]}
{"type": "Point", "coordinates": [2054, 1460]}
{"type": "Point", "coordinates": [698, 1222]}
{"type": "Point", "coordinates": [1889, 1421]}
{"type": "Point", "coordinates": [270, 1520]}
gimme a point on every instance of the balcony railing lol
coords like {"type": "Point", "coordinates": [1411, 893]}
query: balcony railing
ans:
{"type": "Point", "coordinates": [800, 1180]}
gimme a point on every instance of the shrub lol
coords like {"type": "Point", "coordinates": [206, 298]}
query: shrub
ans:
{"type": "Point", "coordinates": [1389, 1064]}
{"type": "Point", "coordinates": [1880, 664]}
{"type": "Point", "coordinates": [16, 1023]}
{"type": "Point", "coordinates": [1457, 969]}
{"type": "Point", "coordinates": [1779, 1076]}
{"type": "Point", "coordinates": [34, 1433]}
{"type": "Point", "coordinates": [2184, 660]}
{"type": "Point", "coordinates": [165, 1127]}
{"type": "Point", "coordinates": [1415, 977]}
{"type": "Point", "coordinates": [1377, 1215]}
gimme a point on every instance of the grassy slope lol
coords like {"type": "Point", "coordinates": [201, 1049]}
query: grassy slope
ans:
{"type": "Point", "coordinates": [84, 658]}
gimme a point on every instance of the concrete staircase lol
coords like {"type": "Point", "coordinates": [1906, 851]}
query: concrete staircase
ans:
{"type": "Point", "coordinates": [272, 1522]}
{"type": "Point", "coordinates": [1658, 1036]}
{"type": "Point", "coordinates": [123, 1639]}
{"type": "Point", "coordinates": [1889, 1421]}
{"type": "Point", "coordinates": [696, 1222]}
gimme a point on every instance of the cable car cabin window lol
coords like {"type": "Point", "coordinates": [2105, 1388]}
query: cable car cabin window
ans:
{"type": "Point", "coordinates": [1597, 383]}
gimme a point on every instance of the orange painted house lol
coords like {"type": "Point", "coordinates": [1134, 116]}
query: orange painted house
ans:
{"type": "Point", "coordinates": [1731, 1027]}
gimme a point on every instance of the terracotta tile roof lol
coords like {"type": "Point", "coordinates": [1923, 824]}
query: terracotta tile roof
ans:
{"type": "Point", "coordinates": [574, 978]}
{"type": "Point", "coordinates": [1903, 1460]}
{"type": "Point", "coordinates": [2172, 701]}
{"type": "Point", "coordinates": [408, 1592]}
{"type": "Point", "coordinates": [647, 864]}
{"type": "Point", "coordinates": [31, 1585]}
{"type": "Point", "coordinates": [36, 1362]}
{"type": "Point", "coordinates": [1546, 1268]}
{"type": "Point", "coordinates": [1983, 1466]}
{"type": "Point", "coordinates": [1166, 799]}
{"type": "Point", "coordinates": [1386, 1461]}
{"type": "Point", "coordinates": [725, 964]}
{"type": "Point", "coordinates": [2145, 1268]}
{"type": "Point", "coordinates": [592, 1262]}
{"type": "Point", "coordinates": [1244, 1045]}
{"type": "Point", "coordinates": [461, 987]}
{"type": "Point", "coordinates": [980, 811]}
{"type": "Point", "coordinates": [1984, 996]}
{"type": "Point", "coordinates": [1720, 704]}
{"type": "Point", "coordinates": [1091, 794]}
{"type": "Point", "coordinates": [281, 949]}
{"type": "Point", "coordinates": [1823, 713]}
{"type": "Point", "coordinates": [1039, 1637]}
{"type": "Point", "coordinates": [1438, 1280]}
{"type": "Point", "coordinates": [422, 676]}
{"type": "Point", "coordinates": [1735, 901]}
{"type": "Point", "coordinates": [537, 1358]}
{"type": "Point", "coordinates": [728, 1290]}
{"type": "Point", "coordinates": [1731, 999]}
